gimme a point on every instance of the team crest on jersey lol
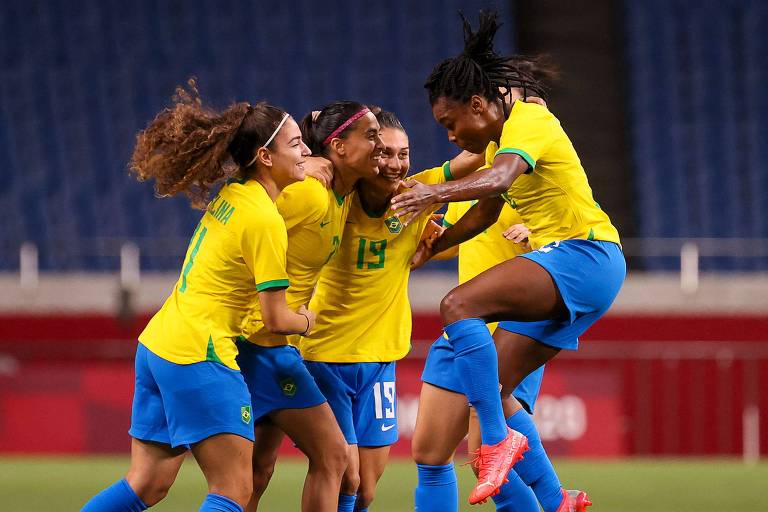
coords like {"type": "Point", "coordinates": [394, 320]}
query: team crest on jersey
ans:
{"type": "Point", "coordinates": [245, 414]}
{"type": "Point", "coordinates": [288, 386]}
{"type": "Point", "coordinates": [393, 224]}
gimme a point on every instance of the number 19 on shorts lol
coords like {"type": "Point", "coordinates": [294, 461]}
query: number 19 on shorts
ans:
{"type": "Point", "coordinates": [384, 410]}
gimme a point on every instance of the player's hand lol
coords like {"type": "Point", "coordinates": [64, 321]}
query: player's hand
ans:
{"type": "Point", "coordinates": [433, 229]}
{"type": "Point", "coordinates": [411, 203]}
{"type": "Point", "coordinates": [518, 233]}
{"type": "Point", "coordinates": [310, 316]}
{"type": "Point", "coordinates": [423, 254]}
{"type": "Point", "coordinates": [319, 168]}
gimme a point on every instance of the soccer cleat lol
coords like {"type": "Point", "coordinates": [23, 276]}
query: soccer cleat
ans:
{"type": "Point", "coordinates": [494, 463]}
{"type": "Point", "coordinates": [574, 501]}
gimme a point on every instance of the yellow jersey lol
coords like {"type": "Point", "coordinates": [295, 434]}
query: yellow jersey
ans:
{"type": "Point", "coordinates": [553, 197]}
{"type": "Point", "coordinates": [314, 217]}
{"type": "Point", "coordinates": [361, 301]}
{"type": "Point", "coordinates": [237, 250]}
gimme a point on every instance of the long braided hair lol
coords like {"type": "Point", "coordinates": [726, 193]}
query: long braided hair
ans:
{"type": "Point", "coordinates": [480, 70]}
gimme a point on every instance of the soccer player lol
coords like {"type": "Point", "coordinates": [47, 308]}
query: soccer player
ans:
{"type": "Point", "coordinates": [286, 399]}
{"type": "Point", "coordinates": [505, 239]}
{"type": "Point", "coordinates": [189, 393]}
{"type": "Point", "coordinates": [365, 324]}
{"type": "Point", "coordinates": [547, 297]}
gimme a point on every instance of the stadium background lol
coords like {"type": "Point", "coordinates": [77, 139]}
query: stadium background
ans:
{"type": "Point", "coordinates": [664, 100]}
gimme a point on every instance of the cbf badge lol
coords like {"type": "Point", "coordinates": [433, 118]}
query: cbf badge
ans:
{"type": "Point", "coordinates": [245, 414]}
{"type": "Point", "coordinates": [288, 386]}
{"type": "Point", "coordinates": [393, 224]}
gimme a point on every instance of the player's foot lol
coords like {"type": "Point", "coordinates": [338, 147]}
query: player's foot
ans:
{"type": "Point", "coordinates": [574, 501]}
{"type": "Point", "coordinates": [494, 463]}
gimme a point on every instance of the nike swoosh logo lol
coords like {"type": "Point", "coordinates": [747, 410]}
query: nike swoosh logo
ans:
{"type": "Point", "coordinates": [323, 224]}
{"type": "Point", "coordinates": [384, 428]}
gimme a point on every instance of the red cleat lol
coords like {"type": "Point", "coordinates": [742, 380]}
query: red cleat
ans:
{"type": "Point", "coordinates": [494, 463]}
{"type": "Point", "coordinates": [574, 501]}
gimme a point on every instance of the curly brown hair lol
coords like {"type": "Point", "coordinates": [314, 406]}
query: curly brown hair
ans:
{"type": "Point", "coordinates": [189, 147]}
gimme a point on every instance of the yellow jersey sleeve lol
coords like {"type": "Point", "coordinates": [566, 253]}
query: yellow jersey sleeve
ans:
{"type": "Point", "coordinates": [302, 203]}
{"type": "Point", "coordinates": [264, 245]}
{"type": "Point", "coordinates": [527, 134]}
{"type": "Point", "coordinates": [553, 198]}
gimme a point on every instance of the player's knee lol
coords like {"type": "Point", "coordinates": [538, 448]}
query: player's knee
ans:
{"type": "Point", "coordinates": [365, 495]}
{"type": "Point", "coordinates": [425, 453]}
{"type": "Point", "coordinates": [150, 488]}
{"type": "Point", "coordinates": [238, 488]}
{"type": "Point", "coordinates": [333, 459]}
{"type": "Point", "coordinates": [453, 307]}
{"type": "Point", "coordinates": [350, 484]}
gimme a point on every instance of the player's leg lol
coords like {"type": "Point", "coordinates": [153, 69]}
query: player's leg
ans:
{"type": "Point", "coordinates": [225, 460]}
{"type": "Point", "coordinates": [588, 276]}
{"type": "Point", "coordinates": [283, 390]}
{"type": "Point", "coordinates": [336, 382]}
{"type": "Point", "coordinates": [374, 413]}
{"type": "Point", "coordinates": [441, 424]}
{"type": "Point", "coordinates": [316, 433]}
{"type": "Point", "coordinates": [515, 495]}
{"type": "Point", "coordinates": [154, 463]}
{"type": "Point", "coordinates": [519, 289]}
{"type": "Point", "coordinates": [350, 482]}
{"type": "Point", "coordinates": [266, 446]}
{"type": "Point", "coordinates": [373, 462]}
{"type": "Point", "coordinates": [153, 469]}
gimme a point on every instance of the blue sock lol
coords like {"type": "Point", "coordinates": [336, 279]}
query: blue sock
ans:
{"type": "Point", "coordinates": [119, 497]}
{"type": "Point", "coordinates": [438, 490]}
{"type": "Point", "coordinates": [535, 469]}
{"type": "Point", "coordinates": [219, 503]}
{"type": "Point", "coordinates": [515, 496]}
{"type": "Point", "coordinates": [347, 502]}
{"type": "Point", "coordinates": [478, 371]}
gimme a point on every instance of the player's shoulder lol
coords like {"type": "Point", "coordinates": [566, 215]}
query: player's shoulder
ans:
{"type": "Point", "coordinates": [433, 175]}
{"type": "Point", "coordinates": [306, 194]}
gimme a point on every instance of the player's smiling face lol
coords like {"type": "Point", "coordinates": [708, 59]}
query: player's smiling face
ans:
{"type": "Point", "coordinates": [288, 153]}
{"type": "Point", "coordinates": [395, 161]}
{"type": "Point", "coordinates": [361, 146]}
{"type": "Point", "coordinates": [469, 125]}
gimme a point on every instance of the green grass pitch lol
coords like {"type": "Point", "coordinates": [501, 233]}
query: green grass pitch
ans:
{"type": "Point", "coordinates": [717, 485]}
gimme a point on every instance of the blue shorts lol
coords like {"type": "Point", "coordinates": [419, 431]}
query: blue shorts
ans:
{"type": "Point", "coordinates": [363, 399]}
{"type": "Point", "coordinates": [589, 275]}
{"type": "Point", "coordinates": [183, 404]}
{"type": "Point", "coordinates": [277, 379]}
{"type": "Point", "coordinates": [440, 371]}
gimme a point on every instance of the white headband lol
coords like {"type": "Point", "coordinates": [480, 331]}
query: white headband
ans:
{"type": "Point", "coordinates": [271, 137]}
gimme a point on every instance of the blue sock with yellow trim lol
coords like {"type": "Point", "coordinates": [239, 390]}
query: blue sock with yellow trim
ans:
{"type": "Point", "coordinates": [535, 469]}
{"type": "Point", "coordinates": [437, 490]}
{"type": "Point", "coordinates": [219, 503]}
{"type": "Point", "coordinates": [347, 502]}
{"type": "Point", "coordinates": [478, 371]}
{"type": "Point", "coordinates": [118, 497]}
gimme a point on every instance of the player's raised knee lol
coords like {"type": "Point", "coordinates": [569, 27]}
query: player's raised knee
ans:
{"type": "Point", "coordinates": [453, 307]}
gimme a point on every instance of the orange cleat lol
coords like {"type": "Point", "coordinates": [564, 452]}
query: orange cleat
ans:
{"type": "Point", "coordinates": [494, 464]}
{"type": "Point", "coordinates": [574, 501]}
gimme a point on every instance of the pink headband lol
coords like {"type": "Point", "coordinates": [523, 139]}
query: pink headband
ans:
{"type": "Point", "coordinates": [344, 126]}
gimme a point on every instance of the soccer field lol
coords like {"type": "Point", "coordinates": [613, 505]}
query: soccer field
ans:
{"type": "Point", "coordinates": [64, 484]}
